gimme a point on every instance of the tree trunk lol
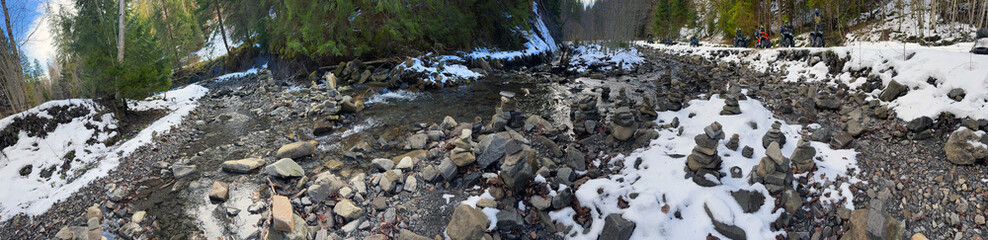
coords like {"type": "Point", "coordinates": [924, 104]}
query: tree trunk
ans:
{"type": "Point", "coordinates": [120, 35]}
{"type": "Point", "coordinates": [10, 65]}
{"type": "Point", "coordinates": [171, 37]}
{"type": "Point", "coordinates": [219, 16]}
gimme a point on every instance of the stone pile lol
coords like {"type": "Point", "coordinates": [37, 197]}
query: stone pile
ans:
{"type": "Point", "coordinates": [585, 115]}
{"type": "Point", "coordinates": [773, 171]}
{"type": "Point", "coordinates": [704, 162]}
{"type": "Point", "coordinates": [506, 115]}
{"type": "Point", "coordinates": [731, 106]}
{"type": "Point", "coordinates": [623, 124]}
{"type": "Point", "coordinates": [802, 157]}
{"type": "Point", "coordinates": [774, 135]}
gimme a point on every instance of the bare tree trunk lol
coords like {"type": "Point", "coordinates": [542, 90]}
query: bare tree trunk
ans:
{"type": "Point", "coordinates": [171, 37]}
{"type": "Point", "coordinates": [219, 16]}
{"type": "Point", "coordinates": [120, 35]}
{"type": "Point", "coordinates": [10, 65]}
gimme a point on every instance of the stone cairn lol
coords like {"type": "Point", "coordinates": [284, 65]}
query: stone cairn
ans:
{"type": "Point", "coordinates": [733, 143]}
{"type": "Point", "coordinates": [731, 106]}
{"type": "Point", "coordinates": [623, 124]}
{"type": "Point", "coordinates": [802, 158]}
{"type": "Point", "coordinates": [585, 115]}
{"type": "Point", "coordinates": [506, 115]}
{"type": "Point", "coordinates": [773, 170]}
{"type": "Point", "coordinates": [704, 159]}
{"type": "Point", "coordinates": [774, 135]}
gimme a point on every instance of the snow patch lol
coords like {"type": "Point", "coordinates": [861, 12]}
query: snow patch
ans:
{"type": "Point", "coordinates": [34, 194]}
{"type": "Point", "coordinates": [659, 180]}
{"type": "Point", "coordinates": [588, 57]}
{"type": "Point", "coordinates": [538, 41]}
{"type": "Point", "coordinates": [952, 67]}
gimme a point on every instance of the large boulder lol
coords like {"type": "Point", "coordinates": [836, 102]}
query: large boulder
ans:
{"type": "Point", "coordinates": [297, 150]}
{"type": "Point", "coordinates": [243, 165]}
{"type": "Point", "coordinates": [920, 124]}
{"type": "Point", "coordinates": [467, 223]}
{"type": "Point", "coordinates": [616, 228]}
{"type": "Point", "coordinates": [893, 91]}
{"type": "Point", "coordinates": [964, 147]}
{"type": "Point", "coordinates": [285, 168]}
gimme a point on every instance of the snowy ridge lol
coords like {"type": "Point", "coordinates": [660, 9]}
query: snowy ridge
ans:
{"type": "Point", "coordinates": [952, 67]}
{"type": "Point", "coordinates": [659, 181]}
{"type": "Point", "coordinates": [538, 41]}
{"type": "Point", "coordinates": [34, 194]}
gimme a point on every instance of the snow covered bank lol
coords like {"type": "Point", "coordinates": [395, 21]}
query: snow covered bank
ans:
{"type": "Point", "coordinates": [930, 73]}
{"type": "Point", "coordinates": [538, 41]}
{"type": "Point", "coordinates": [906, 22]}
{"type": "Point", "coordinates": [439, 70]}
{"type": "Point", "coordinates": [71, 154]}
{"type": "Point", "coordinates": [214, 47]}
{"type": "Point", "coordinates": [595, 57]}
{"type": "Point", "coordinates": [656, 191]}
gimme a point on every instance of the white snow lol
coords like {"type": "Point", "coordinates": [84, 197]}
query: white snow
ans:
{"type": "Point", "coordinates": [34, 194]}
{"type": "Point", "coordinates": [538, 41]}
{"type": "Point", "coordinates": [660, 179]}
{"type": "Point", "coordinates": [590, 55]}
{"type": "Point", "coordinates": [906, 21]}
{"type": "Point", "coordinates": [214, 47]}
{"type": "Point", "coordinates": [229, 76]}
{"type": "Point", "coordinates": [952, 66]}
{"type": "Point", "coordinates": [490, 212]}
{"type": "Point", "coordinates": [442, 70]}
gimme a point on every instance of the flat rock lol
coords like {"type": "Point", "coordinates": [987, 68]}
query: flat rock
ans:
{"type": "Point", "coordinates": [284, 168]}
{"type": "Point", "coordinates": [281, 213]}
{"type": "Point", "coordinates": [181, 171]}
{"type": "Point", "coordinates": [297, 150]}
{"type": "Point", "coordinates": [243, 165]}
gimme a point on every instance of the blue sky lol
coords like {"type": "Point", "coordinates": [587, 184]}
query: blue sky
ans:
{"type": "Point", "coordinates": [31, 27]}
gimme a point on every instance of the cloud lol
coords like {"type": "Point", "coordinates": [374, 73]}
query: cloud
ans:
{"type": "Point", "coordinates": [41, 45]}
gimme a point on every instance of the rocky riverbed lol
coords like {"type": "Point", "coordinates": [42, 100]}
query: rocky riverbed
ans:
{"type": "Point", "coordinates": [266, 158]}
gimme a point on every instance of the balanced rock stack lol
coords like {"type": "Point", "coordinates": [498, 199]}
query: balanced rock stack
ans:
{"type": "Point", "coordinates": [803, 156]}
{"type": "Point", "coordinates": [733, 142]}
{"type": "Point", "coordinates": [463, 152]}
{"type": "Point", "coordinates": [503, 111]}
{"type": "Point", "coordinates": [774, 135]}
{"type": "Point", "coordinates": [731, 106]}
{"type": "Point", "coordinates": [516, 170]}
{"type": "Point", "coordinates": [585, 115]}
{"type": "Point", "coordinates": [773, 170]}
{"type": "Point", "coordinates": [704, 161]}
{"type": "Point", "coordinates": [623, 124]}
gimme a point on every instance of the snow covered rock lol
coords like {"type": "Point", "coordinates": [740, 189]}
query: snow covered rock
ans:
{"type": "Point", "coordinates": [964, 146]}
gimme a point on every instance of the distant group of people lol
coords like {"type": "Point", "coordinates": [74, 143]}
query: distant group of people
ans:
{"type": "Point", "coordinates": [762, 39]}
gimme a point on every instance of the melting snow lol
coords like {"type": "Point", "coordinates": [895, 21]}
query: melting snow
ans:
{"type": "Point", "coordinates": [34, 194]}
{"type": "Point", "coordinates": [660, 179]}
